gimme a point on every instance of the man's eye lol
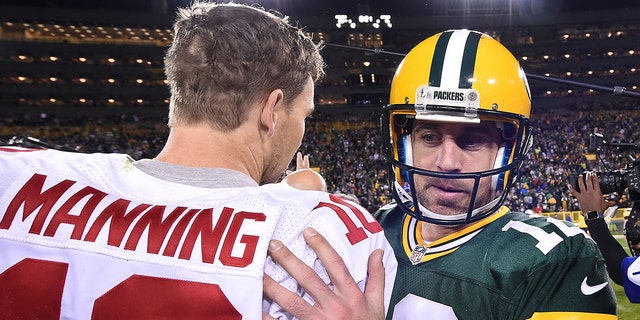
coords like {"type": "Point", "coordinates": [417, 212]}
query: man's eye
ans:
{"type": "Point", "coordinates": [430, 137]}
{"type": "Point", "coordinates": [472, 141]}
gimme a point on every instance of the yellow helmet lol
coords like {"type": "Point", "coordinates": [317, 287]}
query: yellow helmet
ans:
{"type": "Point", "coordinates": [457, 76]}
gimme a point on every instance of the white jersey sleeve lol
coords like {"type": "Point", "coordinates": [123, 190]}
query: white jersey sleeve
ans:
{"type": "Point", "coordinates": [351, 231]}
{"type": "Point", "coordinates": [90, 236]}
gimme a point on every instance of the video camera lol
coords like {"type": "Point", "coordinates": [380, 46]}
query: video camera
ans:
{"type": "Point", "coordinates": [621, 180]}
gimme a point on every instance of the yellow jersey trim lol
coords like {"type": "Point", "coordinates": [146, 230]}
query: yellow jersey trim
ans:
{"type": "Point", "coordinates": [572, 316]}
{"type": "Point", "coordinates": [412, 237]}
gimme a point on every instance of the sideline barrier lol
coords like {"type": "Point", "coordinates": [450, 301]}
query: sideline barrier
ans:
{"type": "Point", "coordinates": [617, 221]}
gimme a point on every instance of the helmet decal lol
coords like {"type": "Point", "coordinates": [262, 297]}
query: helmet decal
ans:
{"type": "Point", "coordinates": [455, 53]}
{"type": "Point", "coordinates": [469, 99]}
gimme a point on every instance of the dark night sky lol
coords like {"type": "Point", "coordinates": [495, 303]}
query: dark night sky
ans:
{"type": "Point", "coordinates": [331, 7]}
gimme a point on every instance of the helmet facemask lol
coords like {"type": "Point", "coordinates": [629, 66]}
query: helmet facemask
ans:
{"type": "Point", "coordinates": [397, 123]}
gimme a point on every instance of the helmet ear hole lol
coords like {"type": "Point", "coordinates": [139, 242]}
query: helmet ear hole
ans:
{"type": "Point", "coordinates": [509, 131]}
{"type": "Point", "coordinates": [401, 121]}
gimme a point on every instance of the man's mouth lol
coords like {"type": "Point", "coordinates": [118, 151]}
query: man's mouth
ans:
{"type": "Point", "coordinates": [448, 188]}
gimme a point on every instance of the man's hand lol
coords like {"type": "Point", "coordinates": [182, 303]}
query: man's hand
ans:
{"type": "Point", "coordinates": [346, 301]}
{"type": "Point", "coordinates": [302, 162]}
{"type": "Point", "coordinates": [590, 198]}
{"type": "Point", "coordinates": [304, 178]}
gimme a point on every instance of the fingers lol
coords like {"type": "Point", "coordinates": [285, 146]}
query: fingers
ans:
{"type": "Point", "coordinates": [290, 301]}
{"type": "Point", "coordinates": [374, 290]}
{"type": "Point", "coordinates": [304, 275]}
{"type": "Point", "coordinates": [582, 181]}
{"type": "Point", "coordinates": [587, 183]}
{"type": "Point", "coordinates": [581, 185]}
{"type": "Point", "coordinates": [266, 316]}
{"type": "Point", "coordinates": [332, 261]}
{"type": "Point", "coordinates": [302, 162]}
{"type": "Point", "coordinates": [590, 198]}
{"type": "Point", "coordinates": [593, 183]}
{"type": "Point", "coordinates": [305, 162]}
{"type": "Point", "coordinates": [346, 301]}
{"type": "Point", "coordinates": [299, 161]}
{"type": "Point", "coordinates": [573, 190]}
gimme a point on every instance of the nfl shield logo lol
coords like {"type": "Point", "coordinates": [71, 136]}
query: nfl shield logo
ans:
{"type": "Point", "coordinates": [417, 254]}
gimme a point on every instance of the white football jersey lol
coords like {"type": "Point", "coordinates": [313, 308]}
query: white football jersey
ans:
{"type": "Point", "coordinates": [93, 237]}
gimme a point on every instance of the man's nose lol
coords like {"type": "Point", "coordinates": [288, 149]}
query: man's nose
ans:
{"type": "Point", "coordinates": [449, 158]}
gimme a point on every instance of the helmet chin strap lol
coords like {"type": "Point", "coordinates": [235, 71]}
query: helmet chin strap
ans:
{"type": "Point", "coordinates": [430, 214]}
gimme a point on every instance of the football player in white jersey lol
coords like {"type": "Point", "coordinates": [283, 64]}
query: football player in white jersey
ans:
{"type": "Point", "coordinates": [185, 235]}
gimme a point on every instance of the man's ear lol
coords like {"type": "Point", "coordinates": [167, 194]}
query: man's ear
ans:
{"type": "Point", "coordinates": [268, 116]}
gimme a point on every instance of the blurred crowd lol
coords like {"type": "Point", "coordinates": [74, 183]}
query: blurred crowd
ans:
{"type": "Point", "coordinates": [561, 147]}
{"type": "Point", "coordinates": [346, 148]}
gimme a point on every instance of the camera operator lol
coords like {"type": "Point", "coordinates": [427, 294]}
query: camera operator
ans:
{"type": "Point", "coordinates": [623, 269]}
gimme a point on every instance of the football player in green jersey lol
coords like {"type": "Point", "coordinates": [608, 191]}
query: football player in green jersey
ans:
{"type": "Point", "coordinates": [456, 132]}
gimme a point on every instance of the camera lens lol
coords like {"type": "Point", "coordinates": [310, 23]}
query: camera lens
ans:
{"type": "Point", "coordinates": [612, 181]}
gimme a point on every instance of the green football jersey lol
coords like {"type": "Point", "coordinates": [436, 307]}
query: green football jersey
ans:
{"type": "Point", "coordinates": [507, 266]}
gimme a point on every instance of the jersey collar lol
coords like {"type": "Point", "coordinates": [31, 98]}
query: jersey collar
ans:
{"type": "Point", "coordinates": [418, 251]}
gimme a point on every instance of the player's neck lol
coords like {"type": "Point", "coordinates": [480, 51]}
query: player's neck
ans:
{"type": "Point", "coordinates": [433, 232]}
{"type": "Point", "coordinates": [198, 146]}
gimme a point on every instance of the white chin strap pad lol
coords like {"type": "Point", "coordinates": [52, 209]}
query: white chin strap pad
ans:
{"type": "Point", "coordinates": [500, 161]}
{"type": "Point", "coordinates": [408, 150]}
